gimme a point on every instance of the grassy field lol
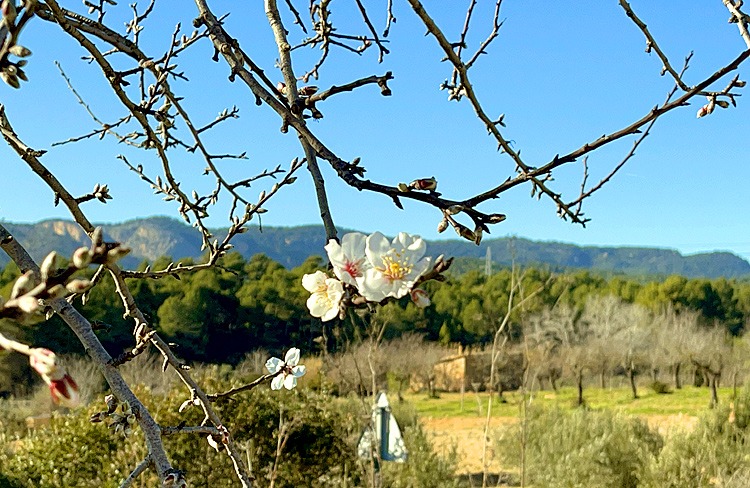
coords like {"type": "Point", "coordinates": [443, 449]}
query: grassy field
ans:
{"type": "Point", "coordinates": [455, 422]}
{"type": "Point", "coordinates": [689, 401]}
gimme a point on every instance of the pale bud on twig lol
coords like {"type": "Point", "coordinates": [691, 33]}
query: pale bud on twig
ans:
{"type": "Point", "coordinates": [212, 442]}
{"type": "Point", "coordinates": [26, 304]}
{"type": "Point", "coordinates": [23, 285]}
{"type": "Point", "coordinates": [442, 226]}
{"type": "Point", "coordinates": [57, 291]}
{"type": "Point", "coordinates": [78, 286]}
{"type": "Point", "coordinates": [420, 298]}
{"type": "Point", "coordinates": [49, 265]}
{"type": "Point", "coordinates": [427, 184]}
{"type": "Point", "coordinates": [82, 257]}
{"type": "Point", "coordinates": [113, 255]}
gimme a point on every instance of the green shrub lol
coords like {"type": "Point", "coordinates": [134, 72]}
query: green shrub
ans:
{"type": "Point", "coordinates": [72, 452]}
{"type": "Point", "coordinates": [660, 388]}
{"type": "Point", "coordinates": [581, 448]}
{"type": "Point", "coordinates": [715, 453]}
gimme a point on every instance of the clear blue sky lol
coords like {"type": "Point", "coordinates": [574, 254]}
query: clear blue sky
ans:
{"type": "Point", "coordinates": [563, 73]}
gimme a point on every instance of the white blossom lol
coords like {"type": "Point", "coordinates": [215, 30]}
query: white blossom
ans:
{"type": "Point", "coordinates": [396, 265]}
{"type": "Point", "coordinates": [326, 294]}
{"type": "Point", "coordinates": [286, 371]}
{"type": "Point", "coordinates": [348, 258]}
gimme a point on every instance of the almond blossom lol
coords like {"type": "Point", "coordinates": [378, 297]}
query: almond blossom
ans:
{"type": "Point", "coordinates": [286, 371]}
{"type": "Point", "coordinates": [63, 389]}
{"type": "Point", "coordinates": [326, 295]}
{"type": "Point", "coordinates": [348, 258]}
{"type": "Point", "coordinates": [396, 265]}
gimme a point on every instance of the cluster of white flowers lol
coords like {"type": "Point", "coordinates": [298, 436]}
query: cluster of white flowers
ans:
{"type": "Point", "coordinates": [376, 267]}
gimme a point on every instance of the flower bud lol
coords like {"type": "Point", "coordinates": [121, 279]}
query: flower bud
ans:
{"type": "Point", "coordinates": [27, 304]}
{"type": "Point", "coordinates": [65, 392]}
{"type": "Point", "coordinates": [212, 442]}
{"type": "Point", "coordinates": [96, 238]}
{"type": "Point", "coordinates": [454, 209]}
{"type": "Point", "coordinates": [403, 187]}
{"type": "Point", "coordinates": [477, 235]}
{"type": "Point", "coordinates": [114, 255]}
{"type": "Point", "coordinates": [427, 184]}
{"type": "Point", "coordinates": [97, 417]}
{"type": "Point", "coordinates": [23, 285]}
{"type": "Point", "coordinates": [442, 226]}
{"type": "Point", "coordinates": [10, 79]}
{"type": "Point", "coordinates": [43, 361]}
{"type": "Point", "coordinates": [111, 402]}
{"type": "Point", "coordinates": [20, 51]}
{"type": "Point", "coordinates": [57, 291]}
{"type": "Point", "coordinates": [306, 91]}
{"type": "Point", "coordinates": [78, 286]}
{"type": "Point", "coordinates": [420, 298]}
{"type": "Point", "coordinates": [49, 265]}
{"type": "Point", "coordinates": [496, 218]}
{"type": "Point", "coordinates": [82, 257]}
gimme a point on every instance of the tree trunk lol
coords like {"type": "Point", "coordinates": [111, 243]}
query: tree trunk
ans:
{"type": "Point", "coordinates": [602, 384]}
{"type": "Point", "coordinates": [713, 381]}
{"type": "Point", "coordinates": [677, 381]}
{"type": "Point", "coordinates": [579, 380]}
{"type": "Point", "coordinates": [631, 377]}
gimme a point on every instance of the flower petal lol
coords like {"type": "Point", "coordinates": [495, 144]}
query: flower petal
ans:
{"type": "Point", "coordinates": [353, 244]}
{"type": "Point", "coordinates": [273, 365]}
{"type": "Point", "coordinates": [277, 382]}
{"type": "Point", "coordinates": [377, 245]}
{"type": "Point", "coordinates": [290, 382]}
{"type": "Point", "coordinates": [299, 371]}
{"type": "Point", "coordinates": [314, 282]}
{"type": "Point", "coordinates": [319, 304]}
{"type": "Point", "coordinates": [292, 357]}
{"type": "Point", "coordinates": [414, 244]}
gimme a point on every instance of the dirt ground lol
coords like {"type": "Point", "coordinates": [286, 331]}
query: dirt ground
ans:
{"type": "Point", "coordinates": [466, 434]}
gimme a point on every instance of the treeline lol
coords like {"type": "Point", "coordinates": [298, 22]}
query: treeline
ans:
{"type": "Point", "coordinates": [221, 314]}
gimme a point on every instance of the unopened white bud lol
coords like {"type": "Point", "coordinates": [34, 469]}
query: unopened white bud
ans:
{"type": "Point", "coordinates": [82, 257]}
{"type": "Point", "coordinates": [49, 265]}
{"type": "Point", "coordinates": [23, 285]}
{"type": "Point", "coordinates": [78, 286]}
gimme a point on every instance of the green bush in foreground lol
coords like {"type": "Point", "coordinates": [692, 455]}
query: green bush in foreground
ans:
{"type": "Point", "coordinates": [72, 452]}
{"type": "Point", "coordinates": [319, 451]}
{"type": "Point", "coordinates": [582, 448]}
{"type": "Point", "coordinates": [715, 453]}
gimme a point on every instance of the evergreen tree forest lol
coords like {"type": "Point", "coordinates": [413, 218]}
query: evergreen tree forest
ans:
{"type": "Point", "coordinates": [221, 314]}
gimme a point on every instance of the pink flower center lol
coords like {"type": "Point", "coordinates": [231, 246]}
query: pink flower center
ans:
{"type": "Point", "coordinates": [353, 268]}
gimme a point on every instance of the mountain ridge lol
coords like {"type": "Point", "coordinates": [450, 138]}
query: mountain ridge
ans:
{"type": "Point", "coordinates": [154, 237]}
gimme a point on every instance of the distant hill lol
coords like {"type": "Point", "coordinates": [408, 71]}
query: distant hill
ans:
{"type": "Point", "coordinates": [154, 237]}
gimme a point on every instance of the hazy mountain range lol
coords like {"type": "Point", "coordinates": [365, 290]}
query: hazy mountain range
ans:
{"type": "Point", "coordinates": [154, 237]}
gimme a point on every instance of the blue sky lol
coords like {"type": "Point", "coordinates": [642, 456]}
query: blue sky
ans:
{"type": "Point", "coordinates": [563, 73]}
